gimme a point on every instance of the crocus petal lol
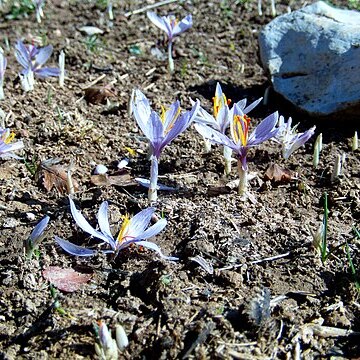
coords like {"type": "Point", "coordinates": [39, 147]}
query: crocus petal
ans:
{"type": "Point", "coordinates": [43, 55]}
{"type": "Point", "coordinates": [11, 147]}
{"type": "Point", "coordinates": [171, 114]}
{"type": "Point", "coordinates": [146, 183]}
{"type": "Point", "coordinates": [22, 54]}
{"type": "Point", "coordinates": [223, 119]}
{"type": "Point", "coordinates": [251, 106]}
{"type": "Point", "coordinates": [300, 141]}
{"type": "Point", "coordinates": [205, 118]}
{"type": "Point", "coordinates": [183, 25]}
{"type": "Point", "coordinates": [103, 221]}
{"type": "Point", "coordinates": [152, 246]}
{"type": "Point", "coordinates": [141, 105]}
{"type": "Point", "coordinates": [181, 123]}
{"type": "Point", "coordinates": [215, 136]}
{"type": "Point", "coordinates": [39, 229]}
{"type": "Point", "coordinates": [158, 21]}
{"type": "Point", "coordinates": [84, 225]}
{"type": "Point", "coordinates": [265, 130]}
{"type": "Point", "coordinates": [47, 71]}
{"type": "Point", "coordinates": [152, 230]}
{"type": "Point", "coordinates": [74, 249]}
{"type": "Point", "coordinates": [139, 222]}
{"type": "Point", "coordinates": [155, 133]}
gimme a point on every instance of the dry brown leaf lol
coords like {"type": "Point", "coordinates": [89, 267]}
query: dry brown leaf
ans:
{"type": "Point", "coordinates": [98, 94]}
{"type": "Point", "coordinates": [67, 280]}
{"type": "Point", "coordinates": [55, 176]}
{"type": "Point", "coordinates": [276, 173]}
{"type": "Point", "coordinates": [108, 180]}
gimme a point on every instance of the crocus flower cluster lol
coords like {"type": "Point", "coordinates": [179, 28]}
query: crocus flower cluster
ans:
{"type": "Point", "coordinates": [289, 139]}
{"type": "Point", "coordinates": [160, 130]}
{"type": "Point", "coordinates": [7, 147]}
{"type": "Point", "coordinates": [32, 60]}
{"type": "Point", "coordinates": [133, 230]}
{"type": "Point", "coordinates": [221, 118]}
{"type": "Point", "coordinates": [172, 27]}
{"type": "Point", "coordinates": [240, 141]}
{"type": "Point", "coordinates": [3, 63]}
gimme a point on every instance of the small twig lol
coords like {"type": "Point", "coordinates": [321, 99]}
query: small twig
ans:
{"type": "Point", "coordinates": [276, 257]}
{"type": "Point", "coordinates": [94, 82]}
{"type": "Point", "coordinates": [148, 7]}
{"type": "Point", "coordinates": [271, 258]}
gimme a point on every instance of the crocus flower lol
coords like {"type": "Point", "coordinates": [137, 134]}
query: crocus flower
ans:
{"type": "Point", "coordinates": [6, 145]}
{"type": "Point", "coordinates": [172, 27]}
{"type": "Point", "coordinates": [3, 63]}
{"type": "Point", "coordinates": [160, 130]}
{"type": "Point", "coordinates": [220, 120]}
{"type": "Point", "coordinates": [106, 347]}
{"type": "Point", "coordinates": [39, 4]}
{"type": "Point", "coordinates": [36, 235]}
{"type": "Point", "coordinates": [32, 60]}
{"type": "Point", "coordinates": [241, 141]}
{"type": "Point", "coordinates": [133, 230]}
{"type": "Point", "coordinates": [289, 139]}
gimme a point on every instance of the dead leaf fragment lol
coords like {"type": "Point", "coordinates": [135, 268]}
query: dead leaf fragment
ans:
{"type": "Point", "coordinates": [276, 173]}
{"type": "Point", "coordinates": [98, 94]}
{"type": "Point", "coordinates": [54, 176]}
{"type": "Point", "coordinates": [108, 180]}
{"type": "Point", "coordinates": [67, 280]}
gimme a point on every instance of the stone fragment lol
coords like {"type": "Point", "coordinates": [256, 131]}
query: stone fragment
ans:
{"type": "Point", "coordinates": [312, 56]}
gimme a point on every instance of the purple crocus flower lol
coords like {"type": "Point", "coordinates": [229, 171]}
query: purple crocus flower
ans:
{"type": "Point", "coordinates": [133, 230]}
{"type": "Point", "coordinates": [32, 60]}
{"type": "Point", "coordinates": [36, 235]}
{"type": "Point", "coordinates": [241, 140]}
{"type": "Point", "coordinates": [172, 27]}
{"type": "Point", "coordinates": [6, 145]}
{"type": "Point", "coordinates": [289, 139]}
{"type": "Point", "coordinates": [160, 130]}
{"type": "Point", "coordinates": [3, 63]}
{"type": "Point", "coordinates": [221, 118]}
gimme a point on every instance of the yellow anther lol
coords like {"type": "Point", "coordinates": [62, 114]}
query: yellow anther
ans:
{"type": "Point", "coordinates": [131, 151]}
{"type": "Point", "coordinates": [241, 128]}
{"type": "Point", "coordinates": [8, 138]}
{"type": "Point", "coordinates": [123, 229]}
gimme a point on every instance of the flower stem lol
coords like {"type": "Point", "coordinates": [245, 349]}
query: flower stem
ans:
{"type": "Point", "coordinates": [154, 172]}
{"type": "Point", "coordinates": [242, 178]}
{"type": "Point", "coordinates": [171, 61]}
{"type": "Point", "coordinates": [227, 159]}
{"type": "Point", "coordinates": [207, 146]}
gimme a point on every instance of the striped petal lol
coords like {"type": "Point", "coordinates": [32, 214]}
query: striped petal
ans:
{"type": "Point", "coordinates": [74, 249]}
{"type": "Point", "coordinates": [84, 225]}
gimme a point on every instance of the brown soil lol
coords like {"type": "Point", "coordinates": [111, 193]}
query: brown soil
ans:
{"type": "Point", "coordinates": [172, 309]}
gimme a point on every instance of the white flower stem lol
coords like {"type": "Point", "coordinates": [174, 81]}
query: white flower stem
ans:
{"type": "Point", "coordinates": [207, 146]}
{"type": "Point", "coordinates": [62, 68]}
{"type": "Point", "coordinates": [154, 172]}
{"type": "Point", "coordinates": [227, 159]}
{"type": "Point", "coordinates": [171, 61]}
{"type": "Point", "coordinates": [242, 179]}
{"type": "Point", "coordinates": [355, 142]}
{"type": "Point", "coordinates": [2, 95]}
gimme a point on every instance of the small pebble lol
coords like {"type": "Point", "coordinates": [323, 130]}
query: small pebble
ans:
{"type": "Point", "coordinates": [30, 216]}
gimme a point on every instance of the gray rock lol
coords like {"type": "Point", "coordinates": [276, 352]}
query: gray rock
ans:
{"type": "Point", "coordinates": [313, 58]}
